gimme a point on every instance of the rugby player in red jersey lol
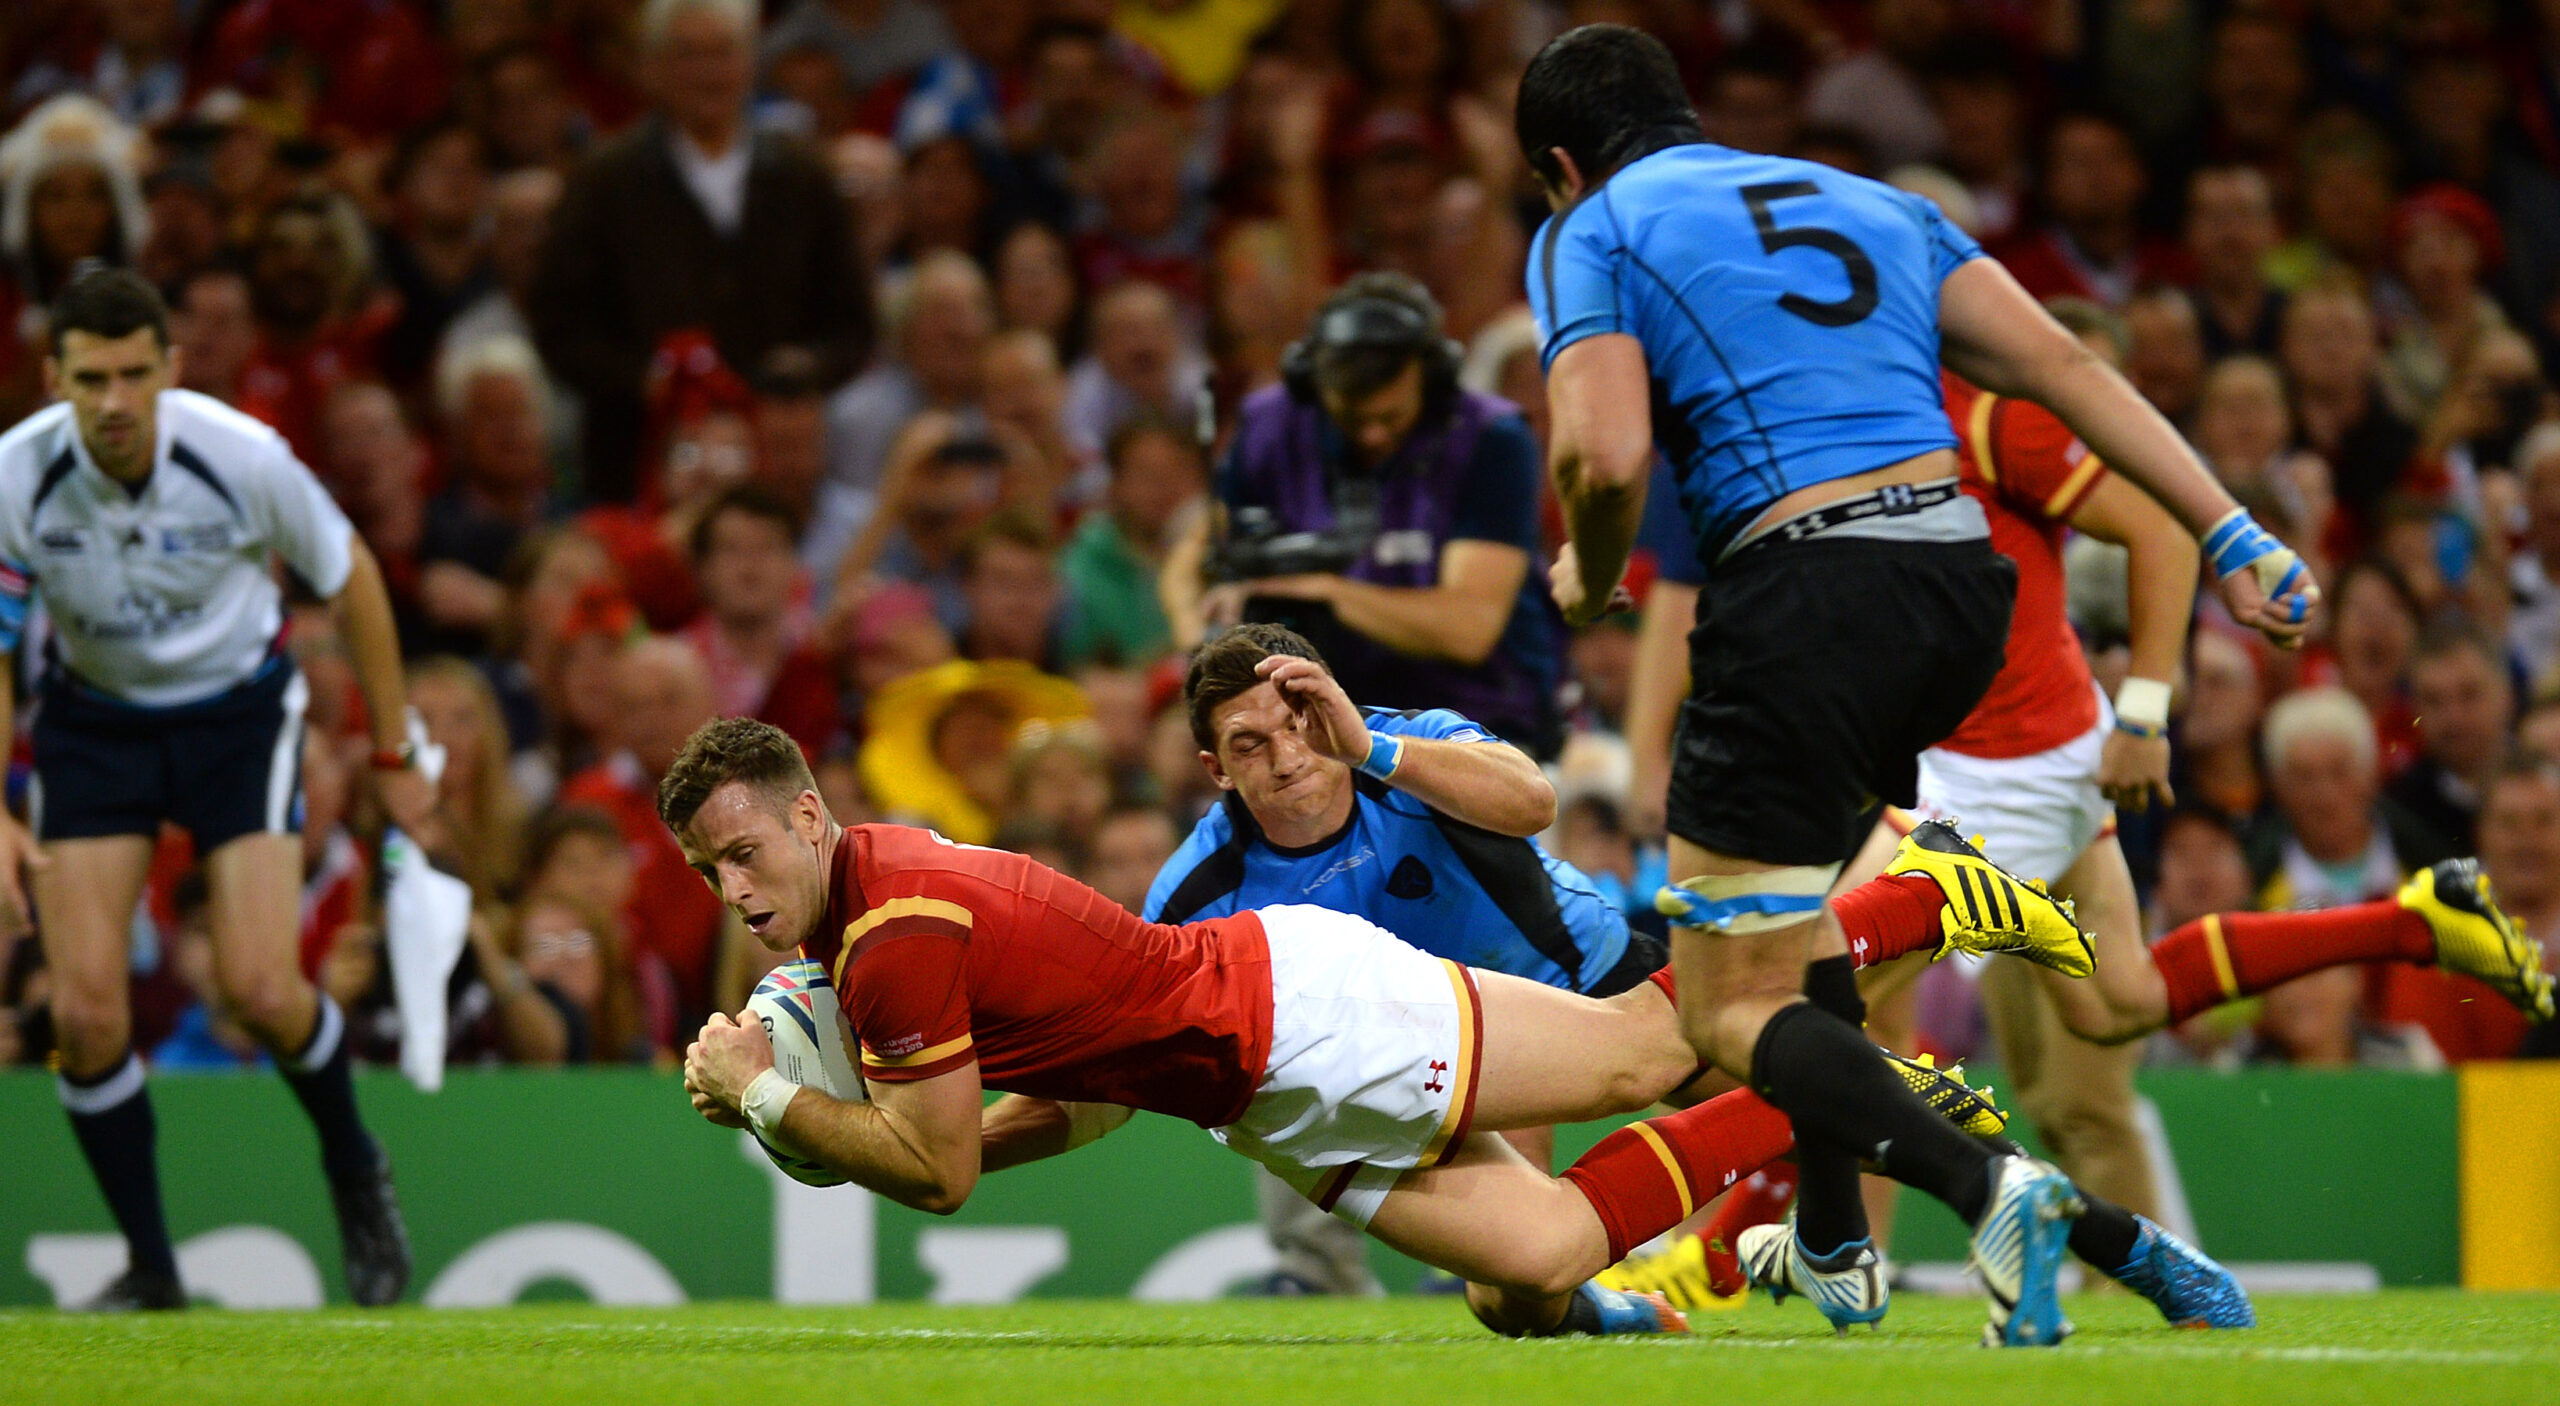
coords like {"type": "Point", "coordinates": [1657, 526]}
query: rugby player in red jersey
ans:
{"type": "Point", "coordinates": [1371, 1077]}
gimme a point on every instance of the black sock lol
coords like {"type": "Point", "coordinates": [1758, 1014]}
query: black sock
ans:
{"type": "Point", "coordinates": [1832, 984]}
{"type": "Point", "coordinates": [2104, 1236]}
{"type": "Point", "coordinates": [111, 1116]}
{"type": "Point", "coordinates": [1831, 1081]}
{"type": "Point", "coordinates": [1830, 1212]}
{"type": "Point", "coordinates": [319, 1077]}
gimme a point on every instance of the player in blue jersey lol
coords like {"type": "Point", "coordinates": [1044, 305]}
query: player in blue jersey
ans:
{"type": "Point", "coordinates": [1774, 328]}
{"type": "Point", "coordinates": [1448, 867]}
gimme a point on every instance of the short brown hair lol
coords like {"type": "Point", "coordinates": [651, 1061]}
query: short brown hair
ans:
{"type": "Point", "coordinates": [751, 499]}
{"type": "Point", "coordinates": [1015, 524]}
{"type": "Point", "coordinates": [1224, 669]}
{"type": "Point", "coordinates": [755, 754]}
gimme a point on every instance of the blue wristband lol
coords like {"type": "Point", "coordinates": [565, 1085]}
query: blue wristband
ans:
{"type": "Point", "coordinates": [1386, 753]}
{"type": "Point", "coordinates": [2236, 541]}
{"type": "Point", "coordinates": [2148, 732]}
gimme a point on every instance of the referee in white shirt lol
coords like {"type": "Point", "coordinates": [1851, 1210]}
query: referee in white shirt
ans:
{"type": "Point", "coordinates": [149, 519]}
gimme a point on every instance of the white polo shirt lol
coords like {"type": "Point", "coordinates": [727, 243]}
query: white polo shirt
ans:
{"type": "Point", "coordinates": [167, 595]}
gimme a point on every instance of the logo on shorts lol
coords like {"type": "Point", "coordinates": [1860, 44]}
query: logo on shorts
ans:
{"type": "Point", "coordinates": [1898, 499]}
{"type": "Point", "coordinates": [1433, 1085]}
{"type": "Point", "coordinates": [63, 541]}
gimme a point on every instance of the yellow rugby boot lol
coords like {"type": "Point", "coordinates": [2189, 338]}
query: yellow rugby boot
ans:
{"type": "Point", "coordinates": [1990, 910]}
{"type": "Point", "coordinates": [1682, 1274]}
{"type": "Point", "coordinates": [2474, 938]}
{"type": "Point", "coordinates": [1949, 1096]}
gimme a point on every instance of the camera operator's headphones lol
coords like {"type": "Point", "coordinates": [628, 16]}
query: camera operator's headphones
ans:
{"type": "Point", "coordinates": [1368, 318]}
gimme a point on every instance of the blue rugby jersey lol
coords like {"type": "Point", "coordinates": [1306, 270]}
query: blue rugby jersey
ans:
{"type": "Point", "coordinates": [1452, 889]}
{"type": "Point", "coordinates": [1788, 312]}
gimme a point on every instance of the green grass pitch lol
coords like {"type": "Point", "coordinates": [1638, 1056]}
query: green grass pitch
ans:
{"type": "Point", "coordinates": [2408, 1348]}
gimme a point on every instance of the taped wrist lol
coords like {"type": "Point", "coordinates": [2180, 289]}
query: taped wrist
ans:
{"type": "Point", "coordinates": [1386, 753]}
{"type": "Point", "coordinates": [2237, 542]}
{"type": "Point", "coordinates": [765, 1101]}
{"type": "Point", "coordinates": [2142, 708]}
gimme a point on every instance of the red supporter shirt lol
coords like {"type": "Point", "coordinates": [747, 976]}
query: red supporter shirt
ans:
{"type": "Point", "coordinates": [2030, 473]}
{"type": "Point", "coordinates": [945, 953]}
{"type": "Point", "coordinates": [671, 914]}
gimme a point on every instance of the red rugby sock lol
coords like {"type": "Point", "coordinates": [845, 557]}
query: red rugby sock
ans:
{"type": "Point", "coordinates": [1760, 1199]}
{"type": "Point", "coordinates": [1648, 1177]}
{"type": "Point", "coordinates": [2225, 956]}
{"type": "Point", "coordinates": [1889, 916]}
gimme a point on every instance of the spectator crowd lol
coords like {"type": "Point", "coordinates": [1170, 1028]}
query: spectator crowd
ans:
{"type": "Point", "coordinates": [863, 365]}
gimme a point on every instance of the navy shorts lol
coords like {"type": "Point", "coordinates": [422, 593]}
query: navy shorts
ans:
{"type": "Point", "coordinates": [1819, 671]}
{"type": "Point", "coordinates": [227, 766]}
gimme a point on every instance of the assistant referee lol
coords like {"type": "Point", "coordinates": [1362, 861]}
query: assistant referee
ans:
{"type": "Point", "coordinates": [149, 520]}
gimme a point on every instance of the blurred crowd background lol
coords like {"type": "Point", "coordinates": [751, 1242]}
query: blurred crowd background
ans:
{"type": "Point", "coordinates": [864, 365]}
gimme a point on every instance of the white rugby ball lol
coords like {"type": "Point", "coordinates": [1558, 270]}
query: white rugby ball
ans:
{"type": "Point", "coordinates": [806, 1026]}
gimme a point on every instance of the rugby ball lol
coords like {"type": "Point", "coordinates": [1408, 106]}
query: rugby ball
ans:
{"type": "Point", "coordinates": [806, 1026]}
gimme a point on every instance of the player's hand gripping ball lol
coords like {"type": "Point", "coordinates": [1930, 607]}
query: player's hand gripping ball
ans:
{"type": "Point", "coordinates": [798, 1007]}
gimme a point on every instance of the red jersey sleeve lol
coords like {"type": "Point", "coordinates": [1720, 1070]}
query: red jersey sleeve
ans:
{"type": "Point", "coordinates": [2029, 457]}
{"type": "Point", "coordinates": [903, 977]}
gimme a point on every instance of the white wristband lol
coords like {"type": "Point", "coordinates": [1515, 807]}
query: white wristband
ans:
{"type": "Point", "coordinates": [765, 1101]}
{"type": "Point", "coordinates": [2144, 702]}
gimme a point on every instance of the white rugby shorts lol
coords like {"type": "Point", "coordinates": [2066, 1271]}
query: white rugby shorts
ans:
{"type": "Point", "coordinates": [1374, 1060]}
{"type": "Point", "coordinates": [2036, 814]}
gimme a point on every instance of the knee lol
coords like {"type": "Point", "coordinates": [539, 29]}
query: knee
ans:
{"type": "Point", "coordinates": [1552, 1279]}
{"type": "Point", "coordinates": [2106, 1023]}
{"type": "Point", "coordinates": [92, 1024]}
{"type": "Point", "coordinates": [270, 1002]}
{"type": "Point", "coordinates": [2070, 1116]}
{"type": "Point", "coordinates": [1537, 1266]}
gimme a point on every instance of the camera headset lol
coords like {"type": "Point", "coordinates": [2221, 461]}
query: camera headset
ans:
{"type": "Point", "coordinates": [1366, 319]}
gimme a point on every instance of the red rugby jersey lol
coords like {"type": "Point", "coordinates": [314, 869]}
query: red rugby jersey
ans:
{"type": "Point", "coordinates": [2030, 473]}
{"type": "Point", "coordinates": [944, 953]}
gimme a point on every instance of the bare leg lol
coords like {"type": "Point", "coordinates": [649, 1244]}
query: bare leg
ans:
{"type": "Point", "coordinates": [256, 883]}
{"type": "Point", "coordinates": [85, 899]}
{"type": "Point", "coordinates": [2126, 998]}
{"type": "Point", "coordinates": [1551, 1056]}
{"type": "Point", "coordinates": [2078, 1094]}
{"type": "Point", "coordinates": [1731, 984]}
{"type": "Point", "coordinates": [1522, 1240]}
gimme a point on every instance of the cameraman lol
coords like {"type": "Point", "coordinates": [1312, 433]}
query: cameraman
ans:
{"type": "Point", "coordinates": [1375, 507]}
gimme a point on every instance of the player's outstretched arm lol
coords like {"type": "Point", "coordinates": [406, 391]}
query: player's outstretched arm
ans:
{"type": "Point", "coordinates": [1488, 785]}
{"type": "Point", "coordinates": [1017, 1129]}
{"type": "Point", "coordinates": [1999, 338]}
{"type": "Point", "coordinates": [2161, 585]}
{"type": "Point", "coordinates": [1656, 683]}
{"type": "Point", "coordinates": [915, 1143]}
{"type": "Point", "coordinates": [1600, 454]}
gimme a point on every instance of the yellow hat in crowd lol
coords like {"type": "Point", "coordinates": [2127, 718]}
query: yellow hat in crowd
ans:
{"type": "Point", "coordinates": [935, 731]}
